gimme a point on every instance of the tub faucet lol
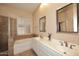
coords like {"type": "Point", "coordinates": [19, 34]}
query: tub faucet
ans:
{"type": "Point", "coordinates": [49, 36]}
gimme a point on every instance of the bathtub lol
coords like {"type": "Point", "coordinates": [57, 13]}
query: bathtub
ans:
{"type": "Point", "coordinates": [22, 45]}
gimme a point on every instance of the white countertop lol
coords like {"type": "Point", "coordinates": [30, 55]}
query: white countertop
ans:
{"type": "Point", "coordinates": [55, 45]}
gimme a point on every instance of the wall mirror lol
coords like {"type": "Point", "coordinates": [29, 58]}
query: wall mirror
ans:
{"type": "Point", "coordinates": [67, 18]}
{"type": "Point", "coordinates": [42, 24]}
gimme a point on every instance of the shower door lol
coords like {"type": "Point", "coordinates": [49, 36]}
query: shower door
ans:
{"type": "Point", "coordinates": [3, 33]}
{"type": "Point", "coordinates": [7, 34]}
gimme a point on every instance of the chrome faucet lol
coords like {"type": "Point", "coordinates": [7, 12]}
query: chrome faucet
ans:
{"type": "Point", "coordinates": [49, 36]}
{"type": "Point", "coordinates": [71, 46]}
{"type": "Point", "coordinates": [64, 43]}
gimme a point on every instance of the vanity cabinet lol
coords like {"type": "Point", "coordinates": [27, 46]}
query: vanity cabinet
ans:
{"type": "Point", "coordinates": [35, 46]}
{"type": "Point", "coordinates": [43, 50]}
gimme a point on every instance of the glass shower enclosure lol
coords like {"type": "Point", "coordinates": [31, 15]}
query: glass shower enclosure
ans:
{"type": "Point", "coordinates": [6, 39]}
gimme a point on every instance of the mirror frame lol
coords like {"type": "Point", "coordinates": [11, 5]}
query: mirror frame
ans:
{"type": "Point", "coordinates": [41, 28]}
{"type": "Point", "coordinates": [77, 19]}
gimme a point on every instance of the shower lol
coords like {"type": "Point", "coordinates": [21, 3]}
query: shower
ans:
{"type": "Point", "coordinates": [6, 35]}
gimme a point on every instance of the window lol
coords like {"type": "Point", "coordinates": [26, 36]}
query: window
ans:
{"type": "Point", "coordinates": [23, 26]}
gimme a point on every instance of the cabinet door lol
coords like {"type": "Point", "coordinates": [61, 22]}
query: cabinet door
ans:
{"type": "Point", "coordinates": [35, 46]}
{"type": "Point", "coordinates": [42, 50]}
{"type": "Point", "coordinates": [46, 51]}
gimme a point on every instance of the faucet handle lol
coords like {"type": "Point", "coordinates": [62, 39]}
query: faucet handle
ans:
{"type": "Point", "coordinates": [66, 44]}
{"type": "Point", "coordinates": [49, 36]}
{"type": "Point", "coordinates": [61, 43]}
{"type": "Point", "coordinates": [71, 46]}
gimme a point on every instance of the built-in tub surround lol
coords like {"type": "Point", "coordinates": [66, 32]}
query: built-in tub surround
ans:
{"type": "Point", "coordinates": [56, 45]}
{"type": "Point", "coordinates": [22, 45]}
{"type": "Point", "coordinates": [49, 11]}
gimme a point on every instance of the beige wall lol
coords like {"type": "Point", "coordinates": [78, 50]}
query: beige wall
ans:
{"type": "Point", "coordinates": [14, 12]}
{"type": "Point", "coordinates": [50, 12]}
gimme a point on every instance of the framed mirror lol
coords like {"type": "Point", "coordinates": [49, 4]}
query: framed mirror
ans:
{"type": "Point", "coordinates": [42, 24]}
{"type": "Point", "coordinates": [67, 18]}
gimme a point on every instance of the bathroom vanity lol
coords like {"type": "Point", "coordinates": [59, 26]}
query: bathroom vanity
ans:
{"type": "Point", "coordinates": [44, 47]}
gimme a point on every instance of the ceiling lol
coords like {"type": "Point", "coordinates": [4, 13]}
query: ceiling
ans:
{"type": "Point", "coordinates": [29, 7]}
